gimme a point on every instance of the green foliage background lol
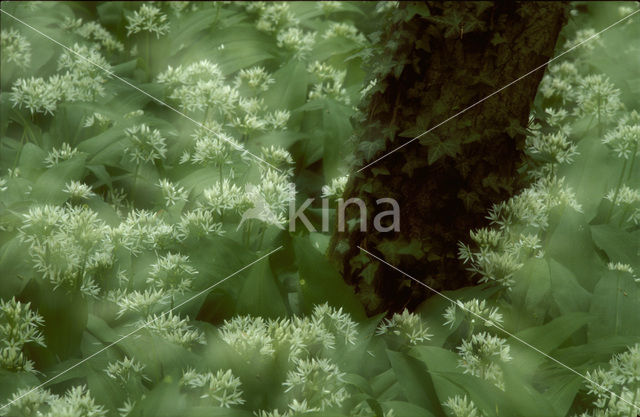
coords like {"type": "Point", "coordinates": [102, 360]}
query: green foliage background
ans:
{"type": "Point", "coordinates": [576, 297]}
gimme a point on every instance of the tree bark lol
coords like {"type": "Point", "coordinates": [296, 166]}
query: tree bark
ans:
{"type": "Point", "coordinates": [433, 60]}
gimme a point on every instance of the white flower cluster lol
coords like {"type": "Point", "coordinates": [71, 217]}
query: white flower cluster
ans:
{"type": "Point", "coordinates": [196, 224]}
{"type": "Point", "coordinates": [335, 188]}
{"type": "Point", "coordinates": [624, 139]}
{"type": "Point", "coordinates": [329, 82]}
{"type": "Point", "coordinates": [462, 407]}
{"type": "Point", "coordinates": [56, 156]}
{"type": "Point", "coordinates": [587, 39]}
{"type": "Point", "coordinates": [552, 148]}
{"type": "Point", "coordinates": [172, 273]}
{"type": "Point", "coordinates": [623, 379]}
{"type": "Point", "coordinates": [619, 266]}
{"type": "Point", "coordinates": [596, 95]}
{"type": "Point", "coordinates": [148, 18]}
{"type": "Point", "coordinates": [500, 252]}
{"type": "Point", "coordinates": [222, 388]}
{"type": "Point", "coordinates": [138, 302]}
{"type": "Point", "coordinates": [255, 78]}
{"type": "Point", "coordinates": [172, 193]}
{"type": "Point", "coordinates": [124, 370]}
{"type": "Point", "coordinates": [298, 337]}
{"type": "Point", "coordinates": [19, 325]}
{"type": "Point", "coordinates": [560, 82]}
{"type": "Point", "coordinates": [81, 81]}
{"type": "Point", "coordinates": [146, 145]}
{"type": "Point", "coordinates": [272, 15]}
{"type": "Point", "coordinates": [15, 48]}
{"type": "Point", "coordinates": [345, 31]}
{"type": "Point", "coordinates": [315, 385]}
{"type": "Point", "coordinates": [94, 31]}
{"type": "Point", "coordinates": [408, 326]}
{"type": "Point", "coordinates": [470, 311]}
{"type": "Point", "coordinates": [68, 245]}
{"type": "Point", "coordinates": [77, 401]}
{"type": "Point", "coordinates": [296, 40]}
{"type": "Point", "coordinates": [78, 191]}
{"type": "Point", "coordinates": [175, 329]}
{"type": "Point", "coordinates": [328, 6]}
{"type": "Point", "coordinates": [481, 355]}
{"type": "Point", "coordinates": [97, 119]}
{"type": "Point", "coordinates": [200, 86]}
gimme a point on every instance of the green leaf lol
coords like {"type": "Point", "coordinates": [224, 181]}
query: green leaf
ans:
{"type": "Point", "coordinates": [336, 131]}
{"type": "Point", "coordinates": [545, 339]}
{"type": "Point", "coordinates": [260, 295]}
{"type": "Point", "coordinates": [568, 295]}
{"type": "Point", "coordinates": [416, 383]}
{"type": "Point", "coordinates": [532, 290]}
{"type": "Point", "coordinates": [615, 306]}
{"type": "Point", "coordinates": [619, 245]}
{"type": "Point", "coordinates": [320, 282]}
{"type": "Point", "coordinates": [405, 409]}
{"type": "Point", "coordinates": [48, 188]}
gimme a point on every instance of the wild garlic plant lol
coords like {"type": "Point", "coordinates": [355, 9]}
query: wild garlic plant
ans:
{"type": "Point", "coordinates": [19, 326]}
{"type": "Point", "coordinates": [622, 378]}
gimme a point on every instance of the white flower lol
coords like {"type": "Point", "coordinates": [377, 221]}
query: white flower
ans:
{"type": "Point", "coordinates": [223, 196]}
{"type": "Point", "coordinates": [172, 194]}
{"type": "Point", "coordinates": [625, 138]}
{"type": "Point", "coordinates": [335, 188]}
{"type": "Point", "coordinates": [596, 95]}
{"type": "Point", "coordinates": [462, 407]}
{"type": "Point", "coordinates": [330, 82]}
{"type": "Point", "coordinates": [223, 388]}
{"type": "Point", "coordinates": [146, 145]}
{"type": "Point", "coordinates": [148, 19]}
{"type": "Point", "coordinates": [197, 223]}
{"type": "Point", "coordinates": [172, 272]}
{"type": "Point", "coordinates": [175, 329]}
{"type": "Point", "coordinates": [19, 325]}
{"type": "Point", "coordinates": [273, 16]}
{"type": "Point", "coordinates": [294, 39]}
{"type": "Point", "coordinates": [138, 302]}
{"type": "Point", "coordinates": [256, 78]}
{"type": "Point", "coordinates": [337, 322]}
{"type": "Point", "coordinates": [95, 31]}
{"type": "Point", "coordinates": [15, 48]}
{"type": "Point", "coordinates": [471, 310]}
{"type": "Point", "coordinates": [407, 325]}
{"type": "Point", "coordinates": [344, 30]}
{"type": "Point", "coordinates": [78, 190]}
{"type": "Point", "coordinates": [38, 95]}
{"type": "Point", "coordinates": [553, 147]}
{"type": "Point", "coordinates": [480, 354]}
{"type": "Point", "coordinates": [316, 383]}
{"type": "Point", "coordinates": [125, 369]}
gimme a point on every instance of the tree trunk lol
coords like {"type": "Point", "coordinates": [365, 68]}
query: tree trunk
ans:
{"type": "Point", "coordinates": [433, 60]}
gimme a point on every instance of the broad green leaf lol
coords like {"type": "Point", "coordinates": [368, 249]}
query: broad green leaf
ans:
{"type": "Point", "coordinates": [405, 409]}
{"type": "Point", "coordinates": [321, 283]}
{"type": "Point", "coordinates": [416, 383]}
{"type": "Point", "coordinates": [568, 294]}
{"type": "Point", "coordinates": [619, 245]}
{"type": "Point", "coordinates": [531, 292]}
{"type": "Point", "coordinates": [615, 306]}
{"type": "Point", "coordinates": [545, 339]}
{"type": "Point", "coordinates": [260, 294]}
{"type": "Point", "coordinates": [336, 131]}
